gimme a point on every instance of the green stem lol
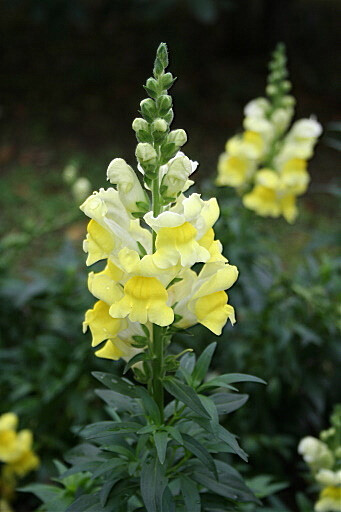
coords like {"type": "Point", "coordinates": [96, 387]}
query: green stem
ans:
{"type": "Point", "coordinates": [158, 348]}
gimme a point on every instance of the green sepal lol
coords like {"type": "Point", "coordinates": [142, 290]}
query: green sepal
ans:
{"type": "Point", "coordinates": [143, 206]}
{"type": "Point", "coordinates": [144, 136]}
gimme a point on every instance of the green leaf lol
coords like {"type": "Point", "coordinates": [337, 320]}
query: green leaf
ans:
{"type": "Point", "coordinates": [228, 402]}
{"type": "Point", "coordinates": [190, 494]}
{"type": "Point", "coordinates": [150, 406]}
{"type": "Point", "coordinates": [105, 428]}
{"type": "Point", "coordinates": [175, 433]}
{"type": "Point", "coordinates": [231, 378]}
{"type": "Point", "coordinates": [192, 445]}
{"type": "Point", "coordinates": [161, 441]}
{"type": "Point", "coordinates": [119, 402]}
{"type": "Point", "coordinates": [203, 364]}
{"type": "Point", "coordinates": [106, 490]}
{"type": "Point", "coordinates": [122, 386]}
{"type": "Point", "coordinates": [86, 503]}
{"type": "Point", "coordinates": [135, 359]}
{"type": "Point", "coordinates": [222, 488]}
{"type": "Point", "coordinates": [168, 504]}
{"type": "Point", "coordinates": [109, 465]}
{"type": "Point", "coordinates": [185, 394]}
{"type": "Point", "coordinates": [153, 483]}
{"type": "Point", "coordinates": [44, 492]}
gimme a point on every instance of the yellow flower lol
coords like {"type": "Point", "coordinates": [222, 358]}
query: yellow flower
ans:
{"type": "Point", "coordinates": [119, 229]}
{"type": "Point", "coordinates": [103, 285]}
{"type": "Point", "coordinates": [121, 346]}
{"type": "Point", "coordinates": [270, 198]}
{"type": "Point", "coordinates": [99, 243]}
{"type": "Point", "coordinates": [234, 171]}
{"type": "Point", "coordinates": [329, 500]}
{"type": "Point", "coordinates": [214, 247]}
{"type": "Point", "coordinates": [249, 145]}
{"type": "Point", "coordinates": [5, 506]}
{"type": "Point", "coordinates": [101, 324]}
{"type": "Point", "coordinates": [8, 421]}
{"type": "Point", "coordinates": [201, 298]}
{"type": "Point", "coordinates": [179, 229]}
{"type": "Point", "coordinates": [294, 175]}
{"type": "Point", "coordinates": [144, 300]}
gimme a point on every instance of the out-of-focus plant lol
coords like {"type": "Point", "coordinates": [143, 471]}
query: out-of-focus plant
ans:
{"type": "Point", "coordinates": [44, 362]}
{"type": "Point", "coordinates": [152, 456]}
{"type": "Point", "coordinates": [267, 163]}
{"type": "Point", "coordinates": [323, 457]}
{"type": "Point", "coordinates": [80, 186]}
{"type": "Point", "coordinates": [17, 458]}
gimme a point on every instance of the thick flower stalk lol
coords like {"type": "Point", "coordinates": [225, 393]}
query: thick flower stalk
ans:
{"type": "Point", "coordinates": [323, 456]}
{"type": "Point", "coordinates": [16, 457]}
{"type": "Point", "coordinates": [150, 235]}
{"type": "Point", "coordinates": [267, 163]}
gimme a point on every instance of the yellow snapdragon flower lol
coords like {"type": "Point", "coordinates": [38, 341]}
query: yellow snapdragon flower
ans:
{"type": "Point", "coordinates": [201, 298]}
{"type": "Point", "coordinates": [329, 500]}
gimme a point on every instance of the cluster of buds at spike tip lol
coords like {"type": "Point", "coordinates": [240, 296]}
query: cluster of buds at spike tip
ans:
{"type": "Point", "coordinates": [267, 163]}
{"type": "Point", "coordinates": [147, 279]}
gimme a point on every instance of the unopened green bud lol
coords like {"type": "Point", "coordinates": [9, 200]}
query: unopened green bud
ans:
{"type": "Point", "coordinates": [271, 90]}
{"type": "Point", "coordinates": [148, 109]}
{"type": "Point", "coordinates": [164, 103]}
{"type": "Point", "coordinates": [70, 173]}
{"type": "Point", "coordinates": [81, 189]}
{"type": "Point", "coordinates": [139, 124]}
{"type": "Point", "coordinates": [162, 54]}
{"type": "Point", "coordinates": [145, 153]}
{"type": "Point", "coordinates": [288, 101]}
{"type": "Point", "coordinates": [159, 125]}
{"type": "Point", "coordinates": [169, 116]}
{"type": "Point", "coordinates": [166, 80]}
{"type": "Point", "coordinates": [286, 85]}
{"type": "Point", "coordinates": [178, 137]}
{"type": "Point", "coordinates": [151, 84]}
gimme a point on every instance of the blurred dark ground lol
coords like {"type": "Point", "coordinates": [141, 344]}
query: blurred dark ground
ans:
{"type": "Point", "coordinates": [72, 71]}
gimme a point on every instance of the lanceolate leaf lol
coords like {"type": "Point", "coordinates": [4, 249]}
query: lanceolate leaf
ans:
{"type": "Point", "coordinates": [228, 402]}
{"type": "Point", "coordinates": [223, 489]}
{"type": "Point", "coordinates": [161, 441]}
{"type": "Point", "coordinates": [185, 394]}
{"type": "Point", "coordinates": [153, 483]}
{"type": "Point", "coordinates": [122, 386]}
{"type": "Point", "coordinates": [200, 452]}
{"type": "Point", "coordinates": [190, 494]}
{"type": "Point", "coordinates": [203, 364]}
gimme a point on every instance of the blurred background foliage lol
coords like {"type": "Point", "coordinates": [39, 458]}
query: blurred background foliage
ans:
{"type": "Point", "coordinates": [70, 87]}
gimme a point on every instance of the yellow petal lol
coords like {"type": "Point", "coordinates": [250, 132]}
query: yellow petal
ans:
{"type": "Point", "coordinates": [8, 421]}
{"type": "Point", "coordinates": [109, 351]}
{"type": "Point", "coordinates": [213, 311]}
{"type": "Point", "coordinates": [101, 324]}
{"type": "Point", "coordinates": [99, 243]}
{"type": "Point", "coordinates": [103, 285]}
{"type": "Point", "coordinates": [143, 296]}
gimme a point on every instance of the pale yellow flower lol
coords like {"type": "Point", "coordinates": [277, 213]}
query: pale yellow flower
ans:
{"type": "Point", "coordinates": [145, 299]}
{"type": "Point", "coordinates": [102, 325]}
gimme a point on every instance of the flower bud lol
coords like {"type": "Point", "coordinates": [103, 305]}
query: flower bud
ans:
{"type": "Point", "coordinates": [164, 103]}
{"type": "Point", "coordinates": [286, 85]}
{"type": "Point", "coordinates": [70, 174]}
{"type": "Point", "coordinates": [151, 84]}
{"type": "Point", "coordinates": [176, 174]}
{"type": "Point", "coordinates": [129, 188]}
{"type": "Point", "coordinates": [271, 90]}
{"type": "Point", "coordinates": [81, 189]}
{"type": "Point", "coordinates": [178, 137]}
{"type": "Point", "coordinates": [307, 129]}
{"type": "Point", "coordinates": [148, 109]}
{"type": "Point", "coordinates": [166, 80]}
{"type": "Point", "coordinates": [145, 153]}
{"type": "Point", "coordinates": [159, 125]}
{"type": "Point", "coordinates": [327, 477]}
{"type": "Point", "coordinates": [140, 124]}
{"type": "Point", "coordinates": [288, 101]}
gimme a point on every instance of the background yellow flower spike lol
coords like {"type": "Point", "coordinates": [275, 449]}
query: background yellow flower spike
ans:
{"type": "Point", "coordinates": [269, 142]}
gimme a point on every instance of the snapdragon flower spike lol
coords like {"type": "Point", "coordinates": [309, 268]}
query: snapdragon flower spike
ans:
{"type": "Point", "coordinates": [267, 163]}
{"type": "Point", "coordinates": [150, 232]}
